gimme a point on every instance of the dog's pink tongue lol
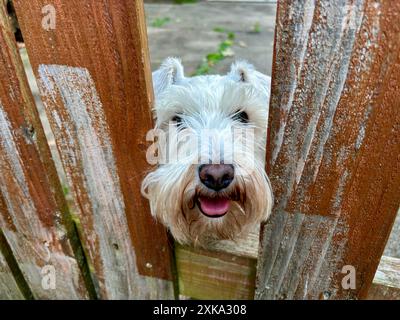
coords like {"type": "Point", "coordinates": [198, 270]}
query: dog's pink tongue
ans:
{"type": "Point", "coordinates": [214, 206]}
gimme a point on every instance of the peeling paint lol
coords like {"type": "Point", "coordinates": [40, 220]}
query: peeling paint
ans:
{"type": "Point", "coordinates": [301, 37]}
{"type": "Point", "coordinates": [83, 139]}
{"type": "Point", "coordinates": [334, 164]}
{"type": "Point", "coordinates": [308, 245]}
{"type": "Point", "coordinates": [19, 202]}
{"type": "Point", "coordinates": [10, 156]}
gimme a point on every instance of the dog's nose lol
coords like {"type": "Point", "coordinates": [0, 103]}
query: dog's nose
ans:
{"type": "Point", "coordinates": [216, 176]}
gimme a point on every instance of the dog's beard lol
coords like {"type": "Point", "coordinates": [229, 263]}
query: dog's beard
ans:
{"type": "Point", "coordinates": [174, 190]}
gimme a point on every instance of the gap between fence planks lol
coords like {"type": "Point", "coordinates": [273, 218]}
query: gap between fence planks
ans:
{"type": "Point", "coordinates": [333, 148]}
{"type": "Point", "coordinates": [33, 211]}
{"type": "Point", "coordinates": [93, 74]}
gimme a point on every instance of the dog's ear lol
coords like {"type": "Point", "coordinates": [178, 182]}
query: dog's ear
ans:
{"type": "Point", "coordinates": [241, 71]}
{"type": "Point", "coordinates": [169, 73]}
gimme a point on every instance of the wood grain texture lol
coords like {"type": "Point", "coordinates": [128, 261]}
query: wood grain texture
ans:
{"type": "Point", "coordinates": [380, 292]}
{"type": "Point", "coordinates": [227, 271]}
{"type": "Point", "coordinates": [32, 208]}
{"type": "Point", "coordinates": [93, 74]}
{"type": "Point", "coordinates": [388, 273]}
{"type": "Point", "coordinates": [214, 274]}
{"type": "Point", "coordinates": [9, 289]}
{"type": "Point", "coordinates": [333, 147]}
{"type": "Point", "coordinates": [386, 285]}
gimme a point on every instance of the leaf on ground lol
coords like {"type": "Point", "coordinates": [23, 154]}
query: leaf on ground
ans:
{"type": "Point", "coordinates": [159, 22]}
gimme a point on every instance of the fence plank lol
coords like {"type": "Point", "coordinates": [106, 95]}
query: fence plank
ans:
{"type": "Point", "coordinates": [227, 271]}
{"type": "Point", "coordinates": [31, 201]}
{"type": "Point", "coordinates": [214, 275]}
{"type": "Point", "coordinates": [93, 73]}
{"type": "Point", "coordinates": [9, 289]}
{"type": "Point", "coordinates": [386, 284]}
{"type": "Point", "coordinates": [334, 147]}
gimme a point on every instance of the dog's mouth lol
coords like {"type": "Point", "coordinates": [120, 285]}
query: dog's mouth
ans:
{"type": "Point", "coordinates": [215, 207]}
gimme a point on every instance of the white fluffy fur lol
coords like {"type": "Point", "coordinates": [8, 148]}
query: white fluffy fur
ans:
{"type": "Point", "coordinates": [209, 102]}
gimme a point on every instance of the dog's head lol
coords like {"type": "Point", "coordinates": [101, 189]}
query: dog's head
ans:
{"type": "Point", "coordinates": [209, 148]}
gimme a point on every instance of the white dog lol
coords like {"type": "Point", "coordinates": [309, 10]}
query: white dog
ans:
{"type": "Point", "coordinates": [210, 181]}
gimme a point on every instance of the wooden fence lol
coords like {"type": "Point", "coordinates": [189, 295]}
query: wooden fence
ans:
{"type": "Point", "coordinates": [333, 157]}
{"type": "Point", "coordinates": [93, 75]}
{"type": "Point", "coordinates": [334, 147]}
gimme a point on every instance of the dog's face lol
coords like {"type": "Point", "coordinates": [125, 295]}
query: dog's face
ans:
{"type": "Point", "coordinates": [210, 182]}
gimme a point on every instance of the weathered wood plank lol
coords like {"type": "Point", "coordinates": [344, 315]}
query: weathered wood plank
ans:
{"type": "Point", "coordinates": [9, 289]}
{"type": "Point", "coordinates": [32, 208]}
{"type": "Point", "coordinates": [333, 147]}
{"type": "Point", "coordinates": [216, 273]}
{"type": "Point", "coordinates": [93, 74]}
{"type": "Point", "coordinates": [386, 285]}
{"type": "Point", "coordinates": [380, 292]}
{"type": "Point", "coordinates": [226, 270]}
{"type": "Point", "coordinates": [388, 273]}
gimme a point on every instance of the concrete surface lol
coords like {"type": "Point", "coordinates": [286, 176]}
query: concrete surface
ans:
{"type": "Point", "coordinates": [189, 33]}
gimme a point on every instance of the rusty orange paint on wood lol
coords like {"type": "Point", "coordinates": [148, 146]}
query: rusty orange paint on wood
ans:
{"type": "Point", "coordinates": [333, 147]}
{"type": "Point", "coordinates": [93, 73]}
{"type": "Point", "coordinates": [32, 207]}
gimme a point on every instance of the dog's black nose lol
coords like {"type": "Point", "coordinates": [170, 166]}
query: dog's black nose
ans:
{"type": "Point", "coordinates": [216, 176]}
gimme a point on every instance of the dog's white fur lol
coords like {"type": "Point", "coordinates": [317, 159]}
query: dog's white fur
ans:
{"type": "Point", "coordinates": [210, 102]}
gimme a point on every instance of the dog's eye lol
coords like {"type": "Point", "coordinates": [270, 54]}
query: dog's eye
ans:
{"type": "Point", "coordinates": [178, 121]}
{"type": "Point", "coordinates": [241, 116]}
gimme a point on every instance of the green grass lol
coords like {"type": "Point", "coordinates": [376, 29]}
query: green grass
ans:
{"type": "Point", "coordinates": [219, 29]}
{"type": "Point", "coordinates": [159, 22]}
{"type": "Point", "coordinates": [223, 50]}
{"type": "Point", "coordinates": [256, 28]}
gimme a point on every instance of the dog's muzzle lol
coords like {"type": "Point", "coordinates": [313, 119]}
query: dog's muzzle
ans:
{"type": "Point", "coordinates": [216, 177]}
